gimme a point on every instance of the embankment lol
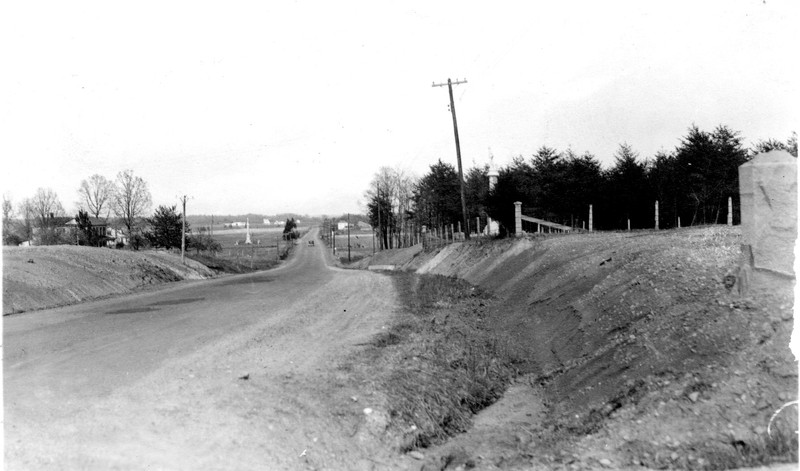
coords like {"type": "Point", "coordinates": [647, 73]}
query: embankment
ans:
{"type": "Point", "coordinates": [644, 325]}
{"type": "Point", "coordinates": [45, 277]}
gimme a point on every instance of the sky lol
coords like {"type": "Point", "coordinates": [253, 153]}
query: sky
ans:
{"type": "Point", "coordinates": [293, 106]}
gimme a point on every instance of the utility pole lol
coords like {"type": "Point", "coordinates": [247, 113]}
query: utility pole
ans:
{"type": "Point", "coordinates": [183, 231]}
{"type": "Point", "coordinates": [458, 149]}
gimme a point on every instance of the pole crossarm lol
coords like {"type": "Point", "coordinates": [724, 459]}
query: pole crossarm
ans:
{"type": "Point", "coordinates": [444, 84]}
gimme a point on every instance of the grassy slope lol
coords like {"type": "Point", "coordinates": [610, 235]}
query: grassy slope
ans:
{"type": "Point", "coordinates": [44, 277]}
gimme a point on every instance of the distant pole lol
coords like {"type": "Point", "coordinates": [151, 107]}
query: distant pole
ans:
{"type": "Point", "coordinates": [629, 224]}
{"type": "Point", "coordinates": [458, 148]}
{"type": "Point", "coordinates": [183, 232]}
{"type": "Point", "coordinates": [591, 219]}
{"type": "Point", "coordinates": [373, 241]}
{"type": "Point", "coordinates": [348, 237]}
{"type": "Point", "coordinates": [679, 222]}
{"type": "Point", "coordinates": [277, 248]}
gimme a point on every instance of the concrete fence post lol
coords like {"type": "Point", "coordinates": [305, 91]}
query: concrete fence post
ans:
{"type": "Point", "coordinates": [518, 218]}
{"type": "Point", "coordinates": [730, 211]}
{"type": "Point", "coordinates": [629, 224]}
{"type": "Point", "coordinates": [656, 214]}
{"type": "Point", "coordinates": [591, 219]}
{"type": "Point", "coordinates": [679, 222]}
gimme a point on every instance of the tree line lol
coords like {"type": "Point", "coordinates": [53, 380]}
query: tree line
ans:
{"type": "Point", "coordinates": [692, 184]}
{"type": "Point", "coordinates": [40, 219]}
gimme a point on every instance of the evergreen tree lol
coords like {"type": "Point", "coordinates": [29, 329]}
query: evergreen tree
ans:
{"type": "Point", "coordinates": [166, 228]}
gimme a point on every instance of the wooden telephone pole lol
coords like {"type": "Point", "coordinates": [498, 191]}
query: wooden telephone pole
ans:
{"type": "Point", "coordinates": [458, 151]}
{"type": "Point", "coordinates": [183, 231]}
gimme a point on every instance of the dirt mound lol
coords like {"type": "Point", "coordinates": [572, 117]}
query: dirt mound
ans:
{"type": "Point", "coordinates": [641, 352]}
{"type": "Point", "coordinates": [44, 277]}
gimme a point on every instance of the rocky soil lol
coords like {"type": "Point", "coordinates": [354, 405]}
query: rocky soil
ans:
{"type": "Point", "coordinates": [44, 277]}
{"type": "Point", "coordinates": [636, 349]}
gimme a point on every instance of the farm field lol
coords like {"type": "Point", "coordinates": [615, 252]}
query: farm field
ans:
{"type": "Point", "coordinates": [361, 245]}
{"type": "Point", "coordinates": [265, 251]}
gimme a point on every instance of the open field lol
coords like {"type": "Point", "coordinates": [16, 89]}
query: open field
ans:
{"type": "Point", "coordinates": [265, 251]}
{"type": "Point", "coordinates": [361, 243]}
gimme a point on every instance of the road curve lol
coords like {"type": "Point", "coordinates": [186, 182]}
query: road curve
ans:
{"type": "Point", "coordinates": [231, 373]}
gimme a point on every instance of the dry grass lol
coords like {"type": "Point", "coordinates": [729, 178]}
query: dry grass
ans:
{"type": "Point", "coordinates": [439, 364]}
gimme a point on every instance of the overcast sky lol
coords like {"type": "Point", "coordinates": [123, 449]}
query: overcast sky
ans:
{"type": "Point", "coordinates": [270, 107]}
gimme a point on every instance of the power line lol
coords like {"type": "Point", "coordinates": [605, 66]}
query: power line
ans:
{"type": "Point", "coordinates": [458, 151]}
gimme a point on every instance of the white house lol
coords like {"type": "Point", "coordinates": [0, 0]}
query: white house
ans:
{"type": "Point", "coordinates": [266, 221]}
{"type": "Point", "coordinates": [341, 225]}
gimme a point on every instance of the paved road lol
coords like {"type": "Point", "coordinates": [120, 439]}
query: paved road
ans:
{"type": "Point", "coordinates": [155, 380]}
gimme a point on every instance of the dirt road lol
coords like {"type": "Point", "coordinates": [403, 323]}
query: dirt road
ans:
{"type": "Point", "coordinates": [232, 373]}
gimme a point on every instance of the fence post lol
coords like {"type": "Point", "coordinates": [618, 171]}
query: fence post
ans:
{"type": "Point", "coordinates": [518, 218]}
{"type": "Point", "coordinates": [656, 214]}
{"type": "Point", "coordinates": [730, 211]}
{"type": "Point", "coordinates": [591, 218]}
{"type": "Point", "coordinates": [629, 224]}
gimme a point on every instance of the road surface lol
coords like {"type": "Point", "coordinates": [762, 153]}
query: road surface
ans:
{"type": "Point", "coordinates": [232, 373]}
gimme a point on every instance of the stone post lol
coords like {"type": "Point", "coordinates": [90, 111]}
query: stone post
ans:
{"type": "Point", "coordinates": [518, 218]}
{"type": "Point", "coordinates": [629, 224]}
{"type": "Point", "coordinates": [768, 195]}
{"type": "Point", "coordinates": [591, 219]}
{"type": "Point", "coordinates": [478, 225]}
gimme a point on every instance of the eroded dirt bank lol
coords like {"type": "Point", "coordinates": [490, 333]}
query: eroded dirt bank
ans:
{"type": "Point", "coordinates": [44, 277]}
{"type": "Point", "coordinates": [633, 352]}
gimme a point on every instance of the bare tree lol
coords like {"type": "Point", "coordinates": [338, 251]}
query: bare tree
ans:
{"type": "Point", "coordinates": [96, 193]}
{"type": "Point", "coordinates": [389, 199]}
{"type": "Point", "coordinates": [8, 216]}
{"type": "Point", "coordinates": [25, 210]}
{"type": "Point", "coordinates": [131, 200]}
{"type": "Point", "coordinates": [46, 206]}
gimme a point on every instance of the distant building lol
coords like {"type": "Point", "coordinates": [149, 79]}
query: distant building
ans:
{"type": "Point", "coordinates": [342, 225]}
{"type": "Point", "coordinates": [99, 226]}
{"type": "Point", "coordinates": [266, 221]}
{"type": "Point", "coordinates": [363, 226]}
